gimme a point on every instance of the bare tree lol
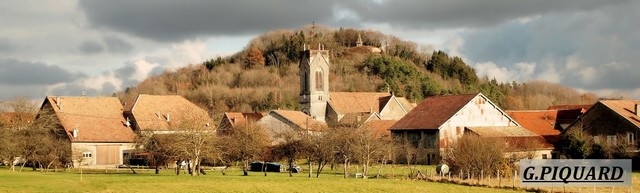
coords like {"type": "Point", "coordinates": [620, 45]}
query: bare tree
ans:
{"type": "Point", "coordinates": [159, 147]}
{"type": "Point", "coordinates": [368, 147]}
{"type": "Point", "coordinates": [245, 143]}
{"type": "Point", "coordinates": [475, 154]}
{"type": "Point", "coordinates": [292, 148]}
{"type": "Point", "coordinates": [195, 140]}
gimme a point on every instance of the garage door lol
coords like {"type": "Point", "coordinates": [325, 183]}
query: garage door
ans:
{"type": "Point", "coordinates": [107, 155]}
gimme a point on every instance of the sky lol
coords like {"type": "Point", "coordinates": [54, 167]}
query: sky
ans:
{"type": "Point", "coordinates": [65, 47]}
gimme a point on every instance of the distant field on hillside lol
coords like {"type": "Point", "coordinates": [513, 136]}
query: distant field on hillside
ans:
{"type": "Point", "coordinates": [146, 181]}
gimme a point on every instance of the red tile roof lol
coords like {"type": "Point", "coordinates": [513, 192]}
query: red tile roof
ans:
{"type": "Point", "coordinates": [355, 102]}
{"type": "Point", "coordinates": [236, 118]}
{"type": "Point", "coordinates": [433, 112]}
{"type": "Point", "coordinates": [541, 122]}
{"type": "Point", "coordinates": [380, 128]}
{"type": "Point", "coordinates": [517, 137]}
{"type": "Point", "coordinates": [300, 119]}
{"type": "Point", "coordinates": [569, 107]}
{"type": "Point", "coordinates": [97, 119]}
{"type": "Point", "coordinates": [164, 112]}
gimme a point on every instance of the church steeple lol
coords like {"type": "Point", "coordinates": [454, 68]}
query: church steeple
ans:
{"type": "Point", "coordinates": [314, 82]}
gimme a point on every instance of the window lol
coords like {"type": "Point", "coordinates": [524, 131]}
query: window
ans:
{"type": "Point", "coordinates": [631, 138]}
{"type": "Point", "coordinates": [611, 140]}
{"type": "Point", "coordinates": [544, 156]}
{"type": "Point", "coordinates": [86, 154]}
{"type": "Point", "coordinates": [430, 141]}
{"type": "Point", "coordinates": [319, 81]}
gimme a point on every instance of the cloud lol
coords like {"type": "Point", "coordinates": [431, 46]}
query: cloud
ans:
{"type": "Point", "coordinates": [14, 72]}
{"type": "Point", "coordinates": [90, 47]}
{"type": "Point", "coordinates": [591, 49]}
{"type": "Point", "coordinates": [5, 45]}
{"type": "Point", "coordinates": [521, 72]}
{"type": "Point", "coordinates": [117, 45]}
{"type": "Point", "coordinates": [424, 14]}
{"type": "Point", "coordinates": [180, 20]}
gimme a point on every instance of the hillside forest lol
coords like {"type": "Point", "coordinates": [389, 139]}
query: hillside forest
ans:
{"type": "Point", "coordinates": [264, 75]}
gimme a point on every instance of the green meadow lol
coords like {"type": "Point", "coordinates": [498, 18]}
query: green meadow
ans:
{"type": "Point", "coordinates": [214, 181]}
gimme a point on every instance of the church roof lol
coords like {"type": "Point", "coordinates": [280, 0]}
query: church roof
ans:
{"type": "Point", "coordinates": [355, 102]}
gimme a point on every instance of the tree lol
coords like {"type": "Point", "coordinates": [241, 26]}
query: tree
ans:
{"type": "Point", "coordinates": [159, 147]}
{"type": "Point", "coordinates": [292, 148]}
{"type": "Point", "coordinates": [195, 140]}
{"type": "Point", "coordinates": [368, 147]}
{"type": "Point", "coordinates": [254, 58]}
{"type": "Point", "coordinates": [475, 154]}
{"type": "Point", "coordinates": [245, 143]}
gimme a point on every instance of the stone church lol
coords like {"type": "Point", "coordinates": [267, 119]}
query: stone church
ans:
{"type": "Point", "coordinates": [342, 108]}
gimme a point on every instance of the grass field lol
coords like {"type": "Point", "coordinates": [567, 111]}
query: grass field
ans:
{"type": "Point", "coordinates": [146, 181]}
{"type": "Point", "coordinates": [330, 181]}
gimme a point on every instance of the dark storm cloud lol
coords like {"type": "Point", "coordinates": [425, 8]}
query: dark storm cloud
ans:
{"type": "Point", "coordinates": [117, 45]}
{"type": "Point", "coordinates": [166, 20]}
{"type": "Point", "coordinates": [90, 47]}
{"type": "Point", "coordinates": [594, 49]}
{"type": "Point", "coordinates": [14, 72]}
{"type": "Point", "coordinates": [433, 14]}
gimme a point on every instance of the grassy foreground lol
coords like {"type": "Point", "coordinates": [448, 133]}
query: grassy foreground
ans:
{"type": "Point", "coordinates": [146, 181]}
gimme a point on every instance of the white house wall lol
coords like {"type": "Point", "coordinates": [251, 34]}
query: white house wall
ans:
{"type": "Point", "coordinates": [478, 112]}
{"type": "Point", "coordinates": [392, 111]}
{"type": "Point", "coordinates": [93, 148]}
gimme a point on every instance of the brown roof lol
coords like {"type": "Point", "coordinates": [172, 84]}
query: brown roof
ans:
{"type": "Point", "coordinates": [624, 108]}
{"type": "Point", "coordinates": [11, 119]}
{"type": "Point", "coordinates": [517, 137]}
{"type": "Point", "coordinates": [355, 118]}
{"type": "Point", "coordinates": [299, 119]}
{"type": "Point", "coordinates": [163, 112]}
{"type": "Point", "coordinates": [237, 118]}
{"type": "Point", "coordinates": [570, 107]}
{"type": "Point", "coordinates": [97, 119]}
{"type": "Point", "coordinates": [406, 104]}
{"type": "Point", "coordinates": [354, 102]}
{"type": "Point", "coordinates": [541, 122]}
{"type": "Point", "coordinates": [380, 128]}
{"type": "Point", "coordinates": [433, 112]}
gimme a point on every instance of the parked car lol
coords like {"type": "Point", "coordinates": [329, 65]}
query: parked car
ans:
{"type": "Point", "coordinates": [270, 166]}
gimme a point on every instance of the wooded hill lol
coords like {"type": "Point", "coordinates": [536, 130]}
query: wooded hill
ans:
{"type": "Point", "coordinates": [264, 75]}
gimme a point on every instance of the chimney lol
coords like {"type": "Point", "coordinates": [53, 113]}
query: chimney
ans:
{"type": "Point", "coordinates": [168, 117]}
{"type": "Point", "coordinates": [75, 133]}
{"type": "Point", "coordinates": [637, 108]}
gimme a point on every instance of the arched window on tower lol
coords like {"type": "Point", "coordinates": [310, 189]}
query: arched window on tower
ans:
{"type": "Point", "coordinates": [305, 79]}
{"type": "Point", "coordinates": [319, 81]}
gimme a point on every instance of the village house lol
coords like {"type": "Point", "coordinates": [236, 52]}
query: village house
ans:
{"type": "Point", "coordinates": [280, 122]}
{"type": "Point", "coordinates": [162, 114]}
{"type": "Point", "coordinates": [611, 122]}
{"type": "Point", "coordinates": [232, 119]}
{"type": "Point", "coordinates": [439, 121]}
{"type": "Point", "coordinates": [95, 127]}
{"type": "Point", "coordinates": [549, 123]}
{"type": "Point", "coordinates": [342, 108]}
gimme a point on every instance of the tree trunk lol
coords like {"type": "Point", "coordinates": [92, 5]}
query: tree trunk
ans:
{"type": "Point", "coordinates": [346, 167]}
{"type": "Point", "coordinates": [310, 168]}
{"type": "Point", "coordinates": [178, 164]}
{"type": "Point", "coordinates": [290, 167]}
{"type": "Point", "coordinates": [245, 167]}
{"type": "Point", "coordinates": [224, 170]}
{"type": "Point", "coordinates": [264, 168]}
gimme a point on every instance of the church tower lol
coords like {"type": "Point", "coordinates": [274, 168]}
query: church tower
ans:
{"type": "Point", "coordinates": [314, 82]}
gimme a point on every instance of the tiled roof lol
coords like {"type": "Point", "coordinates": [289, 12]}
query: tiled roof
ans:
{"type": "Point", "coordinates": [10, 119]}
{"type": "Point", "coordinates": [237, 118]}
{"type": "Point", "coordinates": [355, 102]}
{"type": "Point", "coordinates": [502, 131]}
{"type": "Point", "coordinates": [380, 128]}
{"type": "Point", "coordinates": [541, 122]}
{"type": "Point", "coordinates": [164, 112]}
{"type": "Point", "coordinates": [569, 107]}
{"type": "Point", "coordinates": [625, 109]}
{"type": "Point", "coordinates": [355, 118]}
{"type": "Point", "coordinates": [299, 119]}
{"type": "Point", "coordinates": [98, 119]}
{"type": "Point", "coordinates": [433, 112]}
{"type": "Point", "coordinates": [406, 104]}
{"type": "Point", "coordinates": [517, 137]}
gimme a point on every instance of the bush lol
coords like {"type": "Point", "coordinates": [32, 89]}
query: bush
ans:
{"type": "Point", "coordinates": [474, 154]}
